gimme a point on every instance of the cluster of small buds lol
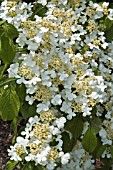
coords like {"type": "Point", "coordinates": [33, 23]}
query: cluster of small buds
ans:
{"type": "Point", "coordinates": [67, 67]}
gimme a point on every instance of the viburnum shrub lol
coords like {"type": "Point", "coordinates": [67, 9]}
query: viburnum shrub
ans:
{"type": "Point", "coordinates": [57, 74]}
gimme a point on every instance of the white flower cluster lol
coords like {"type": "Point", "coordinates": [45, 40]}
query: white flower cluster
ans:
{"type": "Point", "coordinates": [79, 159]}
{"type": "Point", "coordinates": [39, 133]}
{"type": "Point", "coordinates": [56, 71]}
{"type": "Point", "coordinates": [106, 132]}
{"type": "Point", "coordinates": [13, 13]}
{"type": "Point", "coordinates": [66, 65]}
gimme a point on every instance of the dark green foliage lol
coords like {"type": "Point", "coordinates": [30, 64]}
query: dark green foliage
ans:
{"type": "Point", "coordinates": [31, 166]}
{"type": "Point", "coordinates": [11, 165]}
{"type": "Point", "coordinates": [9, 104]}
{"type": "Point", "coordinates": [89, 141]}
{"type": "Point", "coordinates": [68, 142]}
{"type": "Point", "coordinates": [7, 47]}
{"type": "Point", "coordinates": [28, 110]}
{"type": "Point", "coordinates": [75, 126]}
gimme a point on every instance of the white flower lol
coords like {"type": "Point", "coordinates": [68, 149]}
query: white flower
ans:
{"type": "Point", "coordinates": [34, 80]}
{"type": "Point", "coordinates": [75, 37]}
{"type": "Point", "coordinates": [13, 154]}
{"type": "Point", "coordinates": [104, 45]}
{"type": "Point", "coordinates": [13, 70]}
{"type": "Point", "coordinates": [64, 2]}
{"type": "Point", "coordinates": [26, 133]}
{"type": "Point", "coordinates": [63, 76]}
{"type": "Point", "coordinates": [94, 95]}
{"type": "Point", "coordinates": [21, 80]}
{"type": "Point", "coordinates": [65, 158]}
{"type": "Point", "coordinates": [60, 122]}
{"type": "Point", "coordinates": [38, 39]}
{"type": "Point", "coordinates": [110, 15]}
{"type": "Point", "coordinates": [55, 131]}
{"type": "Point", "coordinates": [21, 39]}
{"type": "Point", "coordinates": [105, 4]}
{"type": "Point", "coordinates": [66, 106]}
{"type": "Point", "coordinates": [33, 120]}
{"type": "Point", "coordinates": [86, 110]}
{"type": "Point", "coordinates": [28, 61]}
{"type": "Point", "coordinates": [59, 139]}
{"type": "Point", "coordinates": [21, 140]}
{"type": "Point", "coordinates": [108, 115]}
{"type": "Point", "coordinates": [43, 2]}
{"type": "Point", "coordinates": [30, 157]}
{"type": "Point", "coordinates": [52, 73]}
{"type": "Point", "coordinates": [71, 115]}
{"type": "Point", "coordinates": [103, 133]}
{"type": "Point", "coordinates": [70, 95]}
{"type": "Point", "coordinates": [43, 29]}
{"type": "Point", "coordinates": [33, 45]}
{"type": "Point", "coordinates": [30, 87]}
{"type": "Point", "coordinates": [42, 107]}
{"type": "Point", "coordinates": [56, 100]}
{"type": "Point", "coordinates": [51, 166]}
{"type": "Point", "coordinates": [69, 81]}
{"type": "Point", "coordinates": [29, 99]}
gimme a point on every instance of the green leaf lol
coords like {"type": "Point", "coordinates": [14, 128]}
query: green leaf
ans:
{"type": "Point", "coordinates": [7, 49]}
{"type": "Point", "coordinates": [11, 165]}
{"type": "Point", "coordinates": [39, 167]}
{"type": "Point", "coordinates": [3, 78]}
{"type": "Point", "coordinates": [109, 34]}
{"type": "Point", "coordinates": [107, 163]}
{"type": "Point", "coordinates": [1, 70]}
{"type": "Point", "coordinates": [39, 10]}
{"type": "Point", "coordinates": [96, 124]}
{"type": "Point", "coordinates": [21, 91]}
{"type": "Point", "coordinates": [31, 166]}
{"type": "Point", "coordinates": [89, 141]}
{"type": "Point", "coordinates": [9, 104]}
{"type": "Point", "coordinates": [99, 144]}
{"type": "Point", "coordinates": [75, 126]}
{"type": "Point", "coordinates": [108, 23]}
{"type": "Point", "coordinates": [28, 166]}
{"type": "Point", "coordinates": [28, 110]}
{"type": "Point", "coordinates": [13, 126]}
{"type": "Point", "coordinates": [1, 32]}
{"type": "Point", "coordinates": [10, 30]}
{"type": "Point", "coordinates": [68, 142]}
{"type": "Point", "coordinates": [100, 150]}
{"type": "Point", "coordinates": [13, 139]}
{"type": "Point", "coordinates": [111, 151]}
{"type": "Point", "coordinates": [94, 110]}
{"type": "Point", "coordinates": [7, 81]}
